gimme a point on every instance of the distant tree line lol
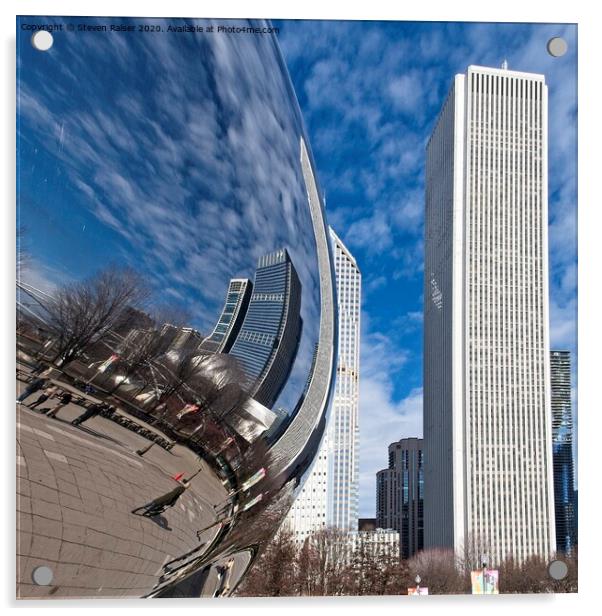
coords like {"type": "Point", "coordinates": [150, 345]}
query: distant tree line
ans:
{"type": "Point", "coordinates": [320, 567]}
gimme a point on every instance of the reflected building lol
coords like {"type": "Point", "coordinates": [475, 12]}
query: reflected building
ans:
{"type": "Point", "coordinates": [185, 340]}
{"type": "Point", "coordinates": [400, 495]}
{"type": "Point", "coordinates": [562, 451]}
{"type": "Point", "coordinates": [168, 334]}
{"type": "Point", "coordinates": [235, 308]}
{"type": "Point", "coordinates": [251, 420]}
{"type": "Point", "coordinates": [267, 343]}
{"type": "Point", "coordinates": [330, 494]}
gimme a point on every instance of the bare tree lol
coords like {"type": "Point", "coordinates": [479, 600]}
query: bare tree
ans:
{"type": "Point", "coordinates": [178, 372]}
{"type": "Point", "coordinates": [170, 313]}
{"type": "Point", "coordinates": [396, 577]}
{"type": "Point", "coordinates": [323, 565]}
{"type": "Point", "coordinates": [82, 313]}
{"type": "Point", "coordinates": [531, 576]}
{"type": "Point", "coordinates": [137, 354]}
{"type": "Point", "coordinates": [363, 574]}
{"type": "Point", "coordinates": [273, 575]}
{"type": "Point", "coordinates": [327, 558]}
{"type": "Point", "coordinates": [569, 583]}
{"type": "Point", "coordinates": [472, 554]}
{"type": "Point", "coordinates": [439, 571]}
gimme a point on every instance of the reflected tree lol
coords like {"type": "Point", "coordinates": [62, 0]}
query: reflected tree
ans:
{"type": "Point", "coordinates": [136, 355]}
{"type": "Point", "coordinates": [82, 313]}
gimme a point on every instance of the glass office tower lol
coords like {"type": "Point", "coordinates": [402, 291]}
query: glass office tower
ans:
{"type": "Point", "coordinates": [235, 308]}
{"type": "Point", "coordinates": [400, 495]}
{"type": "Point", "coordinates": [269, 336]}
{"type": "Point", "coordinates": [562, 451]}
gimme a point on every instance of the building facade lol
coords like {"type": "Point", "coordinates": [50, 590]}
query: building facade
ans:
{"type": "Point", "coordinates": [267, 342]}
{"type": "Point", "coordinates": [329, 496]}
{"type": "Point", "coordinates": [400, 495]}
{"type": "Point", "coordinates": [230, 321]}
{"type": "Point", "coordinates": [487, 420]}
{"type": "Point", "coordinates": [562, 448]}
{"type": "Point", "coordinates": [376, 543]}
{"type": "Point", "coordinates": [186, 340]}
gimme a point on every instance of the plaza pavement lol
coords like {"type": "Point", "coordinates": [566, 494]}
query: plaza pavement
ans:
{"type": "Point", "coordinates": [76, 488]}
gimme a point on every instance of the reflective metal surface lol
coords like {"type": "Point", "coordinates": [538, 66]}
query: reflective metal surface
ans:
{"type": "Point", "coordinates": [175, 332]}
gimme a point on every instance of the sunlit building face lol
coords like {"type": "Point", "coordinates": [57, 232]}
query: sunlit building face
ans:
{"type": "Point", "coordinates": [175, 307]}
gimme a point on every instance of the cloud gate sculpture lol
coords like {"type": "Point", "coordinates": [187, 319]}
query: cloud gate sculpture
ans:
{"type": "Point", "coordinates": [175, 304]}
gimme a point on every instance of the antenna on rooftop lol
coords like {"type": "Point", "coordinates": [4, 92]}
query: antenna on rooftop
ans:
{"type": "Point", "coordinates": [505, 65]}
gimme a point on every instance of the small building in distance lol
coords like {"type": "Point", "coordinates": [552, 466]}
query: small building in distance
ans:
{"type": "Point", "coordinates": [400, 495]}
{"type": "Point", "coordinates": [366, 524]}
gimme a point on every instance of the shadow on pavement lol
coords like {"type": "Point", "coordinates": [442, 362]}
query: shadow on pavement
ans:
{"type": "Point", "coordinates": [97, 434]}
{"type": "Point", "coordinates": [161, 521]}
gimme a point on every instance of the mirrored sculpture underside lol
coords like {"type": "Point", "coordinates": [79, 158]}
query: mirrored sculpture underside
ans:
{"type": "Point", "coordinates": [175, 306]}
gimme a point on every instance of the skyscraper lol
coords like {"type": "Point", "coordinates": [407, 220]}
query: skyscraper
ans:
{"type": "Point", "coordinates": [268, 340]}
{"type": "Point", "coordinates": [487, 423]}
{"type": "Point", "coordinates": [230, 321]}
{"type": "Point", "coordinates": [562, 451]}
{"type": "Point", "coordinates": [344, 423]}
{"type": "Point", "coordinates": [400, 495]}
{"type": "Point", "coordinates": [329, 496]}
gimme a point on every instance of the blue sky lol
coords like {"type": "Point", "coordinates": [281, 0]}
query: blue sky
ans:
{"type": "Point", "coordinates": [369, 93]}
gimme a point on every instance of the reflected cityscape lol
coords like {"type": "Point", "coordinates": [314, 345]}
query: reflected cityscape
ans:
{"type": "Point", "coordinates": [216, 391]}
{"type": "Point", "coordinates": [175, 312]}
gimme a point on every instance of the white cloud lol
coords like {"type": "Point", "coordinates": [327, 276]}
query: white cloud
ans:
{"type": "Point", "coordinates": [563, 324]}
{"type": "Point", "coordinates": [382, 418]}
{"type": "Point", "coordinates": [371, 284]}
{"type": "Point", "coordinates": [408, 323]}
{"type": "Point", "coordinates": [373, 233]}
{"type": "Point", "coordinates": [42, 276]}
{"type": "Point", "coordinates": [382, 421]}
{"type": "Point", "coordinates": [407, 91]}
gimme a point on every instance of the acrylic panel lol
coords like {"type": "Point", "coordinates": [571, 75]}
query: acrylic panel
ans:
{"type": "Point", "coordinates": [238, 360]}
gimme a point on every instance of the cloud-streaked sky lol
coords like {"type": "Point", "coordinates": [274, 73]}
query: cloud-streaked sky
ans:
{"type": "Point", "coordinates": [176, 158]}
{"type": "Point", "coordinates": [370, 93]}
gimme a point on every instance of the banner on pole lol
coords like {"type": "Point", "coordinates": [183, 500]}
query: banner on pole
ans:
{"type": "Point", "coordinates": [421, 590]}
{"type": "Point", "coordinates": [485, 582]}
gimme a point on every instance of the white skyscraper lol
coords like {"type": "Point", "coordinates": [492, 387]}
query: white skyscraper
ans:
{"type": "Point", "coordinates": [487, 429]}
{"type": "Point", "coordinates": [329, 496]}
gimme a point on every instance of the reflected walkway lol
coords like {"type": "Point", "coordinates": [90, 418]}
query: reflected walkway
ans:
{"type": "Point", "coordinates": [75, 491]}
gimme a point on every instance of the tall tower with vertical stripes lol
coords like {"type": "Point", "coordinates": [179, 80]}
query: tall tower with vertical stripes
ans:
{"type": "Point", "coordinates": [487, 427]}
{"type": "Point", "coordinates": [330, 494]}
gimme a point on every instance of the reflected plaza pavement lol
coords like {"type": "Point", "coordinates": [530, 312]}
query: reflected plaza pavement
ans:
{"type": "Point", "coordinates": [76, 488]}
